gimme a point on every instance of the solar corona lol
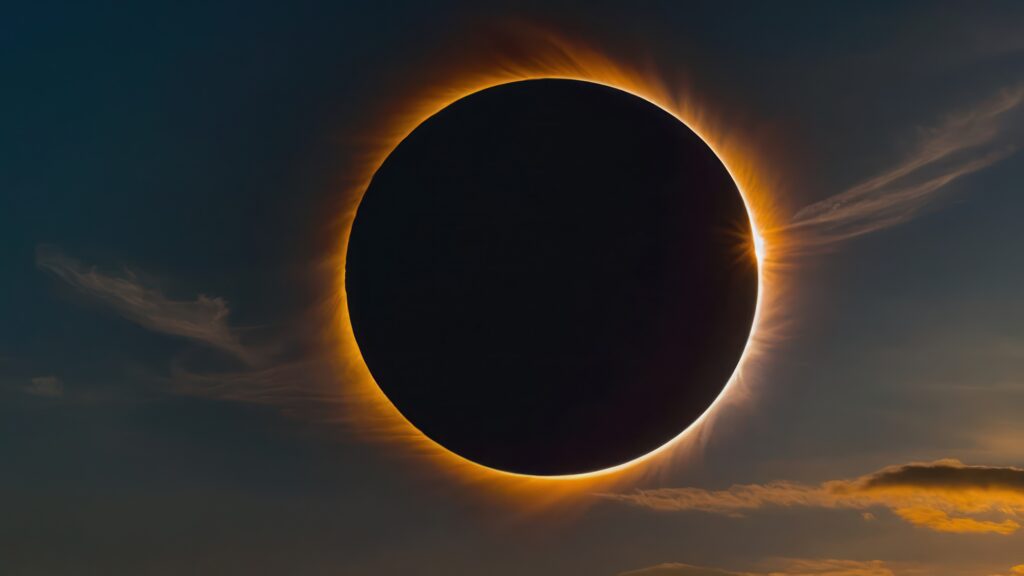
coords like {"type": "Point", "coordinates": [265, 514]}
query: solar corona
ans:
{"type": "Point", "coordinates": [552, 277]}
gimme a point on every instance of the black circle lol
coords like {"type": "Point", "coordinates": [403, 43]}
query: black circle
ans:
{"type": "Point", "coordinates": [550, 277]}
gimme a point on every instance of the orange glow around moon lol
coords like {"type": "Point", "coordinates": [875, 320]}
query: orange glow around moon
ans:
{"type": "Point", "coordinates": [546, 56]}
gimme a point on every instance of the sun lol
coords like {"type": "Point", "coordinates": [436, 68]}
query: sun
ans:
{"type": "Point", "coordinates": [371, 413]}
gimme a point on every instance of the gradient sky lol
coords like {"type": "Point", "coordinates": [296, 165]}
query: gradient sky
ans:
{"type": "Point", "coordinates": [169, 188]}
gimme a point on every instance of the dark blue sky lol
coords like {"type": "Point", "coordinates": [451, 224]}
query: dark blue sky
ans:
{"type": "Point", "coordinates": [163, 152]}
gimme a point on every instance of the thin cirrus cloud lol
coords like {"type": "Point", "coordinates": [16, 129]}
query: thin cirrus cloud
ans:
{"type": "Point", "coordinates": [299, 387]}
{"type": "Point", "coordinates": [45, 386]}
{"type": "Point", "coordinates": [944, 496]}
{"type": "Point", "coordinates": [964, 143]}
{"type": "Point", "coordinates": [798, 567]}
{"type": "Point", "coordinates": [203, 320]}
{"type": "Point", "coordinates": [783, 567]}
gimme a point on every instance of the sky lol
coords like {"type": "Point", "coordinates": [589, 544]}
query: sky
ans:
{"type": "Point", "coordinates": [173, 178]}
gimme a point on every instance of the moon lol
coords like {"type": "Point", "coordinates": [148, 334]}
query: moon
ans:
{"type": "Point", "coordinates": [551, 277]}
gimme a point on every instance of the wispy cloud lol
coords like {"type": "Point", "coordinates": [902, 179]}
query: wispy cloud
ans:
{"type": "Point", "coordinates": [945, 496]}
{"type": "Point", "coordinates": [47, 386]}
{"type": "Point", "coordinates": [203, 320]}
{"type": "Point", "coordinates": [806, 567]}
{"type": "Point", "coordinates": [299, 384]}
{"type": "Point", "coordinates": [782, 567]}
{"type": "Point", "coordinates": [963, 144]}
{"type": "Point", "coordinates": [304, 389]}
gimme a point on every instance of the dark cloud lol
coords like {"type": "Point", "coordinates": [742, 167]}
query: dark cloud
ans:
{"type": "Point", "coordinates": [948, 474]}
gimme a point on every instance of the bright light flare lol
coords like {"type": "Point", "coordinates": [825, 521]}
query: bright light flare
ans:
{"type": "Point", "coordinates": [759, 246]}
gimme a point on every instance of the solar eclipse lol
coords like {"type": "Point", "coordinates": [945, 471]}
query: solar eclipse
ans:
{"type": "Point", "coordinates": [550, 277]}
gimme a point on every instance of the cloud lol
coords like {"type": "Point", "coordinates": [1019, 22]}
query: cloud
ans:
{"type": "Point", "coordinates": [48, 386]}
{"type": "Point", "coordinates": [304, 389]}
{"type": "Point", "coordinates": [802, 567]}
{"type": "Point", "coordinates": [301, 384]}
{"type": "Point", "coordinates": [203, 320]}
{"type": "Point", "coordinates": [677, 569]}
{"type": "Point", "coordinates": [965, 143]}
{"type": "Point", "coordinates": [944, 496]}
{"type": "Point", "coordinates": [783, 567]}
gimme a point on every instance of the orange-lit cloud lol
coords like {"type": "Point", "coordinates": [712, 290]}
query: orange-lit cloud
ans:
{"type": "Point", "coordinates": [784, 567]}
{"type": "Point", "coordinates": [945, 496]}
{"type": "Point", "coordinates": [807, 567]}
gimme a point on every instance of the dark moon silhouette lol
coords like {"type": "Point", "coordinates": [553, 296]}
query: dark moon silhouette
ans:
{"type": "Point", "coordinates": [551, 277]}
